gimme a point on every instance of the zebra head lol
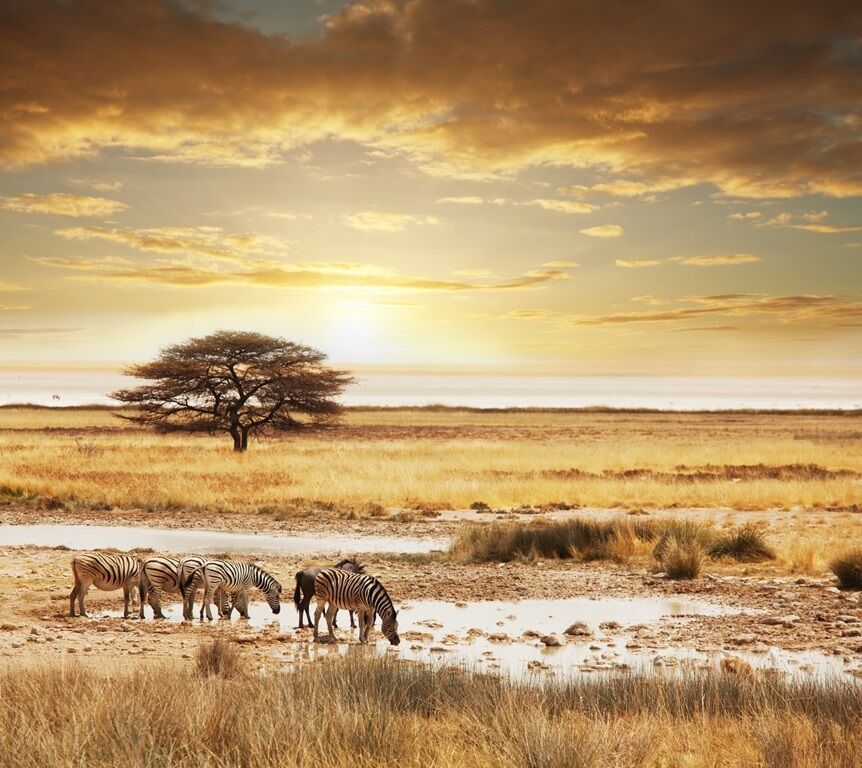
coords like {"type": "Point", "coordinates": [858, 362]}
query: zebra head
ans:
{"type": "Point", "coordinates": [390, 626]}
{"type": "Point", "coordinates": [271, 589]}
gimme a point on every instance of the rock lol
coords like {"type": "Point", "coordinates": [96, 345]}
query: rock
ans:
{"type": "Point", "coordinates": [847, 618]}
{"type": "Point", "coordinates": [660, 575]}
{"type": "Point", "coordinates": [578, 629]}
{"type": "Point", "coordinates": [71, 650]}
{"type": "Point", "coordinates": [531, 633]}
{"type": "Point", "coordinates": [786, 621]}
{"type": "Point", "coordinates": [595, 647]}
{"type": "Point", "coordinates": [498, 637]}
{"type": "Point", "coordinates": [743, 639]}
{"type": "Point", "coordinates": [460, 604]}
{"type": "Point", "coordinates": [551, 641]}
{"type": "Point", "coordinates": [610, 625]}
{"type": "Point", "coordinates": [633, 645]}
{"type": "Point", "coordinates": [34, 630]}
{"type": "Point", "coordinates": [439, 649]}
{"type": "Point", "coordinates": [852, 633]}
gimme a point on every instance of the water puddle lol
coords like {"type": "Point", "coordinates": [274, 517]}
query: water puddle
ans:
{"type": "Point", "coordinates": [186, 540]}
{"type": "Point", "coordinates": [504, 637]}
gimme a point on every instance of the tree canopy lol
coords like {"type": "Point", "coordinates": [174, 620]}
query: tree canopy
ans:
{"type": "Point", "coordinates": [236, 382]}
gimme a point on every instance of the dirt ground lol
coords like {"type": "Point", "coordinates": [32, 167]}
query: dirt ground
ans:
{"type": "Point", "coordinates": [35, 584]}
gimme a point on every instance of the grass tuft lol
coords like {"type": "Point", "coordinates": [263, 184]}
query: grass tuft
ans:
{"type": "Point", "coordinates": [681, 559]}
{"type": "Point", "coordinates": [848, 568]}
{"type": "Point", "coordinates": [746, 544]}
{"type": "Point", "coordinates": [219, 657]}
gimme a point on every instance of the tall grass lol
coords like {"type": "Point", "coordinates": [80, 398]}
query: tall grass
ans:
{"type": "Point", "coordinates": [447, 459]}
{"type": "Point", "coordinates": [746, 544]}
{"type": "Point", "coordinates": [365, 711]}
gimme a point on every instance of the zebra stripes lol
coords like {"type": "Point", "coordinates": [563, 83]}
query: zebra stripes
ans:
{"type": "Point", "coordinates": [162, 574]}
{"type": "Point", "coordinates": [236, 579]}
{"type": "Point", "coordinates": [334, 589]}
{"type": "Point", "coordinates": [105, 572]}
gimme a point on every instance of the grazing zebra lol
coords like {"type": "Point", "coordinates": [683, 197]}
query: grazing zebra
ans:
{"type": "Point", "coordinates": [235, 579]}
{"type": "Point", "coordinates": [106, 572]}
{"type": "Point", "coordinates": [189, 580]}
{"type": "Point", "coordinates": [305, 587]}
{"type": "Point", "coordinates": [161, 574]}
{"type": "Point", "coordinates": [359, 592]}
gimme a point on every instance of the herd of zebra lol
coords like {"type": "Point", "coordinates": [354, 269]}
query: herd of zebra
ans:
{"type": "Point", "coordinates": [227, 583]}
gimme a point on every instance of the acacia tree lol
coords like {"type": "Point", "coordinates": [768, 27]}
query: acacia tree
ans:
{"type": "Point", "coordinates": [235, 382]}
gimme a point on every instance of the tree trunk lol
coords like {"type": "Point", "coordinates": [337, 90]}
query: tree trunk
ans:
{"type": "Point", "coordinates": [237, 440]}
{"type": "Point", "coordinates": [244, 439]}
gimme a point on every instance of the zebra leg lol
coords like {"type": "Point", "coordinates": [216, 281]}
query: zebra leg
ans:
{"type": "Point", "coordinates": [205, 605]}
{"type": "Point", "coordinates": [352, 624]}
{"type": "Point", "coordinates": [76, 587]}
{"type": "Point", "coordinates": [361, 625]}
{"type": "Point", "coordinates": [82, 593]}
{"type": "Point", "coordinates": [330, 621]}
{"type": "Point", "coordinates": [126, 594]}
{"type": "Point", "coordinates": [155, 603]}
{"type": "Point", "coordinates": [189, 603]}
{"type": "Point", "coordinates": [318, 610]}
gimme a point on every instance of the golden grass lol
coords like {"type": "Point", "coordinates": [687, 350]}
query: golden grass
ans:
{"type": "Point", "coordinates": [444, 459]}
{"type": "Point", "coordinates": [362, 711]}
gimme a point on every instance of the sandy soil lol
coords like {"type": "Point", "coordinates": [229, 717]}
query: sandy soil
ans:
{"type": "Point", "coordinates": [35, 582]}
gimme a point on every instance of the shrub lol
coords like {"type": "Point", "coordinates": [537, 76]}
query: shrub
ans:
{"type": "Point", "coordinates": [681, 559]}
{"type": "Point", "coordinates": [219, 657]}
{"type": "Point", "coordinates": [746, 544]}
{"type": "Point", "coordinates": [848, 569]}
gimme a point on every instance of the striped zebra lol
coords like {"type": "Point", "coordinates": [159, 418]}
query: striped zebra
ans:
{"type": "Point", "coordinates": [105, 572]}
{"type": "Point", "coordinates": [161, 574]}
{"type": "Point", "coordinates": [235, 579]}
{"type": "Point", "coordinates": [190, 580]}
{"type": "Point", "coordinates": [337, 589]}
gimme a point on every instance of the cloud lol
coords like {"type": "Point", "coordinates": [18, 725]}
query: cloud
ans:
{"type": "Point", "coordinates": [637, 263]}
{"type": "Point", "coordinates": [6, 287]}
{"type": "Point", "coordinates": [211, 242]}
{"type": "Point", "coordinates": [63, 204]}
{"type": "Point", "coordinates": [271, 274]}
{"type": "Point", "coordinates": [102, 185]}
{"type": "Point", "coordinates": [653, 301]}
{"type": "Point", "coordinates": [385, 221]}
{"type": "Point", "coordinates": [724, 259]}
{"type": "Point", "coordinates": [465, 200]}
{"type": "Point", "coordinates": [561, 264]}
{"type": "Point", "coordinates": [788, 309]}
{"type": "Point", "coordinates": [31, 333]}
{"type": "Point", "coordinates": [629, 187]}
{"type": "Point", "coordinates": [753, 99]}
{"type": "Point", "coordinates": [561, 206]}
{"type": "Point", "coordinates": [604, 230]}
{"type": "Point", "coordinates": [808, 221]}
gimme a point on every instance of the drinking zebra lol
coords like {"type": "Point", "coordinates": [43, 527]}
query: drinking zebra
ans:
{"type": "Point", "coordinates": [305, 587]}
{"type": "Point", "coordinates": [161, 574]}
{"type": "Point", "coordinates": [336, 589]}
{"type": "Point", "coordinates": [105, 572]}
{"type": "Point", "coordinates": [235, 579]}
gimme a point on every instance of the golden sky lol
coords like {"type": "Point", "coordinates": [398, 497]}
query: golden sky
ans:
{"type": "Point", "coordinates": [651, 187]}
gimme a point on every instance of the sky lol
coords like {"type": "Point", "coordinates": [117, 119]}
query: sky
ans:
{"type": "Point", "coordinates": [520, 185]}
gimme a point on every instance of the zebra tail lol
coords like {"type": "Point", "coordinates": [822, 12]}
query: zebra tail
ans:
{"type": "Point", "coordinates": [143, 585]}
{"type": "Point", "coordinates": [184, 584]}
{"type": "Point", "coordinates": [297, 597]}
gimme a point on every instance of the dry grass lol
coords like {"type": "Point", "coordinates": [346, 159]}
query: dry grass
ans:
{"type": "Point", "coordinates": [219, 657]}
{"type": "Point", "coordinates": [443, 459]}
{"type": "Point", "coordinates": [848, 568]}
{"type": "Point", "coordinates": [681, 558]}
{"type": "Point", "coordinates": [369, 712]}
{"type": "Point", "coordinates": [746, 544]}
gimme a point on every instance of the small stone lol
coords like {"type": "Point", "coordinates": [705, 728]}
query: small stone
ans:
{"type": "Point", "coordinates": [34, 630]}
{"type": "Point", "coordinates": [610, 625]}
{"type": "Point", "coordinates": [551, 641]}
{"type": "Point", "coordinates": [71, 650]}
{"type": "Point", "coordinates": [743, 639]}
{"type": "Point", "coordinates": [847, 618]}
{"type": "Point", "coordinates": [852, 633]}
{"type": "Point", "coordinates": [578, 629]}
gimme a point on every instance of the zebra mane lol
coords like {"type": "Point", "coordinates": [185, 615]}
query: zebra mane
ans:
{"type": "Point", "coordinates": [359, 567]}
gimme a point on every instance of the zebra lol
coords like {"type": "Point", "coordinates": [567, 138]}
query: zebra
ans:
{"type": "Point", "coordinates": [189, 580]}
{"type": "Point", "coordinates": [336, 589]}
{"type": "Point", "coordinates": [106, 572]}
{"type": "Point", "coordinates": [305, 587]}
{"type": "Point", "coordinates": [235, 579]}
{"type": "Point", "coordinates": [161, 574]}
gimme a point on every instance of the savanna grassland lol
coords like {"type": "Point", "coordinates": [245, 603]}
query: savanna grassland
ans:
{"type": "Point", "coordinates": [744, 511]}
{"type": "Point", "coordinates": [366, 712]}
{"type": "Point", "coordinates": [444, 459]}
